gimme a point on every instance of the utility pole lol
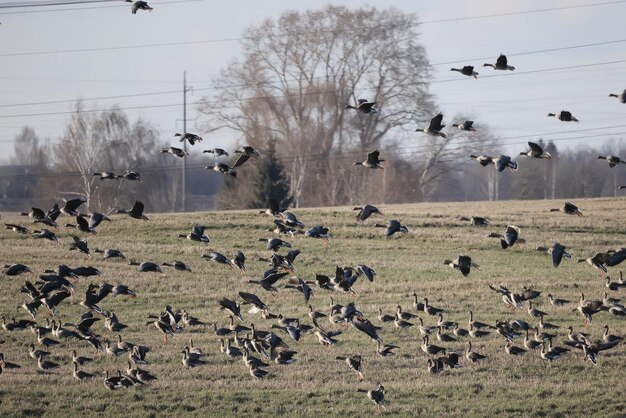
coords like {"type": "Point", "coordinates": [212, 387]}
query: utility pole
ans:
{"type": "Point", "coordinates": [185, 89]}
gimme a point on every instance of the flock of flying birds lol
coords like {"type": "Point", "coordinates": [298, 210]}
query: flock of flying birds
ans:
{"type": "Point", "coordinates": [246, 342]}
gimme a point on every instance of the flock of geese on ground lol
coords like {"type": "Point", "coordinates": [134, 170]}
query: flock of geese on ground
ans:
{"type": "Point", "coordinates": [248, 341]}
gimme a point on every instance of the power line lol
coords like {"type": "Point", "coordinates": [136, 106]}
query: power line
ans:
{"type": "Point", "coordinates": [508, 74]}
{"type": "Point", "coordinates": [51, 3]}
{"type": "Point", "coordinates": [90, 8]}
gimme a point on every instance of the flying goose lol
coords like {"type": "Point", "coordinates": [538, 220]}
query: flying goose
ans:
{"type": "Point", "coordinates": [503, 161]}
{"type": "Point", "coordinates": [70, 207]}
{"type": "Point", "coordinates": [468, 126]}
{"type": "Point", "coordinates": [483, 160]}
{"type": "Point", "coordinates": [135, 212]}
{"type": "Point", "coordinates": [509, 238]}
{"type": "Point", "coordinates": [621, 97]}
{"type": "Point", "coordinates": [107, 175]}
{"type": "Point", "coordinates": [568, 208]}
{"type": "Point", "coordinates": [612, 160]}
{"type": "Point", "coordinates": [372, 161]}
{"type": "Point", "coordinates": [564, 116]}
{"type": "Point", "coordinates": [196, 234]}
{"type": "Point", "coordinates": [476, 220]}
{"type": "Point", "coordinates": [366, 211]}
{"type": "Point", "coordinates": [501, 64]}
{"type": "Point", "coordinates": [392, 227]}
{"type": "Point", "coordinates": [174, 151]}
{"type": "Point", "coordinates": [217, 152]}
{"type": "Point", "coordinates": [467, 70]}
{"type": "Point", "coordinates": [138, 5]}
{"type": "Point", "coordinates": [463, 263]}
{"type": "Point", "coordinates": [435, 127]}
{"type": "Point", "coordinates": [364, 106]}
{"type": "Point", "coordinates": [191, 138]}
{"type": "Point", "coordinates": [536, 151]}
{"type": "Point", "coordinates": [132, 176]}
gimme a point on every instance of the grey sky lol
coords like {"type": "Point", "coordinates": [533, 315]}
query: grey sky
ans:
{"type": "Point", "coordinates": [514, 105]}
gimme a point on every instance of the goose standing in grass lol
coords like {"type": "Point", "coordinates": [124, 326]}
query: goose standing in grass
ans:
{"type": "Point", "coordinates": [136, 212]}
{"type": "Point", "coordinates": [467, 126]}
{"type": "Point", "coordinates": [45, 365]}
{"type": "Point", "coordinates": [621, 97]}
{"type": "Point", "coordinates": [174, 151]}
{"type": "Point", "coordinates": [366, 211]}
{"type": "Point", "coordinates": [385, 350]}
{"type": "Point", "coordinates": [536, 151]}
{"type": "Point", "coordinates": [612, 160]}
{"type": "Point", "coordinates": [435, 127]}
{"type": "Point", "coordinates": [146, 267]}
{"type": "Point", "coordinates": [467, 70]}
{"type": "Point", "coordinates": [512, 350]}
{"type": "Point", "coordinates": [392, 227]}
{"type": "Point", "coordinates": [372, 161]}
{"type": "Point", "coordinates": [136, 5]}
{"type": "Point", "coordinates": [501, 64]}
{"type": "Point", "coordinates": [563, 116]}
{"type": "Point", "coordinates": [364, 106]}
{"type": "Point", "coordinates": [568, 208]}
{"type": "Point", "coordinates": [377, 396]}
{"type": "Point", "coordinates": [556, 301]}
{"type": "Point", "coordinates": [473, 356]}
{"type": "Point", "coordinates": [217, 152]}
{"type": "Point", "coordinates": [463, 263]}
{"type": "Point", "coordinates": [191, 138]}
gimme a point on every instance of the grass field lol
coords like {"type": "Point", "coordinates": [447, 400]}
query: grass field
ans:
{"type": "Point", "coordinates": [318, 384]}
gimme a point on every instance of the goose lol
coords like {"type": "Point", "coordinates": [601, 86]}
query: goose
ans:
{"type": "Point", "coordinates": [431, 349]}
{"type": "Point", "coordinates": [476, 324]}
{"type": "Point", "coordinates": [568, 208]}
{"type": "Point", "coordinates": [400, 323]}
{"type": "Point", "coordinates": [146, 267]}
{"type": "Point", "coordinates": [116, 382]}
{"type": "Point", "coordinates": [435, 366]}
{"type": "Point", "coordinates": [483, 160]}
{"type": "Point", "coordinates": [110, 253]}
{"type": "Point", "coordinates": [512, 350]}
{"type": "Point", "coordinates": [557, 302]}
{"type": "Point", "coordinates": [467, 126]}
{"type": "Point", "coordinates": [563, 116]}
{"type": "Point", "coordinates": [106, 175]}
{"type": "Point", "coordinates": [372, 161]}
{"type": "Point", "coordinates": [364, 106]}
{"type": "Point", "coordinates": [138, 5]}
{"type": "Point", "coordinates": [189, 137]}
{"type": "Point", "coordinates": [196, 234]}
{"type": "Point", "coordinates": [354, 363]}
{"type": "Point", "coordinates": [612, 286]}
{"type": "Point", "coordinates": [509, 238]}
{"type": "Point", "coordinates": [362, 269]}
{"type": "Point", "coordinates": [607, 338]}
{"type": "Point", "coordinates": [444, 337]}
{"type": "Point", "coordinates": [503, 161]}
{"type": "Point", "coordinates": [35, 213]}
{"type": "Point", "coordinates": [223, 169]}
{"type": "Point", "coordinates": [36, 353]}
{"type": "Point", "coordinates": [385, 350]}
{"type": "Point", "coordinates": [231, 307]}
{"type": "Point", "coordinates": [16, 269]}
{"type": "Point", "coordinates": [79, 374]}
{"type": "Point", "coordinates": [431, 310]}
{"type": "Point", "coordinates": [476, 220]}
{"type": "Point", "coordinates": [45, 365]}
{"type": "Point", "coordinates": [535, 312]}
{"type": "Point", "coordinates": [476, 333]}
{"type": "Point", "coordinates": [132, 176]}
{"type": "Point", "coordinates": [80, 245]}
{"type": "Point", "coordinates": [530, 344]}
{"type": "Point", "coordinates": [445, 325]}
{"type": "Point", "coordinates": [501, 64]}
{"type": "Point", "coordinates": [274, 244]}
{"type": "Point", "coordinates": [548, 354]}
{"type": "Point", "coordinates": [597, 261]}
{"type": "Point", "coordinates": [435, 127]}
{"type": "Point", "coordinates": [325, 339]}
{"type": "Point", "coordinates": [463, 263]}
{"type": "Point", "coordinates": [174, 151]}
{"type": "Point", "coordinates": [536, 151]}
{"type": "Point", "coordinates": [190, 362]}
{"type": "Point", "coordinates": [136, 212]}
{"type": "Point", "coordinates": [621, 97]}
{"type": "Point", "coordinates": [473, 356]}
{"type": "Point", "coordinates": [71, 206]}
{"type": "Point", "coordinates": [366, 211]}
{"type": "Point", "coordinates": [248, 151]}
{"type": "Point", "coordinates": [392, 227]}
{"type": "Point", "coordinates": [612, 160]}
{"type": "Point", "coordinates": [17, 228]}
{"type": "Point", "coordinates": [384, 317]}
{"type": "Point", "coordinates": [558, 253]}
{"type": "Point", "coordinates": [616, 257]}
{"type": "Point", "coordinates": [377, 396]}
{"type": "Point", "coordinates": [545, 325]}
{"type": "Point", "coordinates": [467, 70]}
{"type": "Point", "coordinates": [217, 152]}
{"type": "Point", "coordinates": [81, 361]}
{"type": "Point", "coordinates": [290, 219]}
{"type": "Point", "coordinates": [459, 332]}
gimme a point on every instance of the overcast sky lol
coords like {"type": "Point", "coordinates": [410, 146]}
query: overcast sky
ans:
{"type": "Point", "coordinates": [32, 68]}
